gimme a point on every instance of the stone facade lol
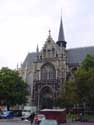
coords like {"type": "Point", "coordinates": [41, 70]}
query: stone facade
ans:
{"type": "Point", "coordinates": [49, 71]}
{"type": "Point", "coordinates": [46, 70]}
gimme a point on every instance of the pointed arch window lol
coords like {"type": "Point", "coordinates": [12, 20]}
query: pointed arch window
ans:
{"type": "Point", "coordinates": [44, 52]}
{"type": "Point", "coordinates": [49, 53]}
{"type": "Point", "coordinates": [53, 52]}
{"type": "Point", "coordinates": [48, 72]}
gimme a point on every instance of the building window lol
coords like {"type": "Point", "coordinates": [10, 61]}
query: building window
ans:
{"type": "Point", "coordinates": [48, 72]}
{"type": "Point", "coordinates": [56, 55]}
{"type": "Point", "coordinates": [49, 53]}
{"type": "Point", "coordinates": [44, 52]}
{"type": "Point", "coordinates": [53, 52]}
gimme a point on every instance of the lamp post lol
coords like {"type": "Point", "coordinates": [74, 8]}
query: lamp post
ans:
{"type": "Point", "coordinates": [38, 99]}
{"type": "Point", "coordinates": [84, 106]}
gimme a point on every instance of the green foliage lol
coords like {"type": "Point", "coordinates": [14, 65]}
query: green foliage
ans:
{"type": "Point", "coordinates": [13, 90]}
{"type": "Point", "coordinates": [84, 78]}
{"type": "Point", "coordinates": [85, 85]}
{"type": "Point", "coordinates": [68, 94]}
{"type": "Point", "coordinates": [87, 63]}
{"type": "Point", "coordinates": [81, 89]}
{"type": "Point", "coordinates": [58, 102]}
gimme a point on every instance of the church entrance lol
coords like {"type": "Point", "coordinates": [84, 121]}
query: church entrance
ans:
{"type": "Point", "coordinates": [46, 98]}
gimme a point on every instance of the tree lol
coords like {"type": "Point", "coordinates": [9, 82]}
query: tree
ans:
{"type": "Point", "coordinates": [68, 94]}
{"type": "Point", "coordinates": [13, 90]}
{"type": "Point", "coordinates": [87, 63]}
{"type": "Point", "coordinates": [81, 89]}
{"type": "Point", "coordinates": [84, 78]}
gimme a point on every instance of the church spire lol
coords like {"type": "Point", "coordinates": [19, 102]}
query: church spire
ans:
{"type": "Point", "coordinates": [61, 32]}
{"type": "Point", "coordinates": [61, 39]}
{"type": "Point", "coordinates": [37, 51]}
{"type": "Point", "coordinates": [25, 72]}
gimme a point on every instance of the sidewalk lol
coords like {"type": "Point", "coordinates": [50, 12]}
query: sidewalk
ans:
{"type": "Point", "coordinates": [15, 120]}
{"type": "Point", "coordinates": [11, 119]}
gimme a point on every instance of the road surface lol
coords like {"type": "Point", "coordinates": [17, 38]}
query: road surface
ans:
{"type": "Point", "coordinates": [10, 122]}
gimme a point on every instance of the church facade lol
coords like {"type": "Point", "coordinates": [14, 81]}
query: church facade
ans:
{"type": "Point", "coordinates": [46, 70]}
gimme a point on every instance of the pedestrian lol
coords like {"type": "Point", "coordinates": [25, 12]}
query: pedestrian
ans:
{"type": "Point", "coordinates": [31, 117]}
{"type": "Point", "coordinates": [81, 116]}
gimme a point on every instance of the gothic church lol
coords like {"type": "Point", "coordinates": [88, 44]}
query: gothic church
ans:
{"type": "Point", "coordinates": [46, 70]}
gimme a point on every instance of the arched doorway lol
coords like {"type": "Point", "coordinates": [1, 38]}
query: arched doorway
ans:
{"type": "Point", "coordinates": [46, 97]}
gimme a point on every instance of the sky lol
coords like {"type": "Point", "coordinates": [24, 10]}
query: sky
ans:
{"type": "Point", "coordinates": [25, 23]}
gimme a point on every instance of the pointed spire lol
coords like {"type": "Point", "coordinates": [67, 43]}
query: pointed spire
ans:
{"type": "Point", "coordinates": [37, 50]}
{"type": "Point", "coordinates": [25, 72]}
{"type": "Point", "coordinates": [49, 36]}
{"type": "Point", "coordinates": [17, 66]}
{"type": "Point", "coordinates": [49, 39]}
{"type": "Point", "coordinates": [49, 32]}
{"type": "Point", "coordinates": [61, 32]}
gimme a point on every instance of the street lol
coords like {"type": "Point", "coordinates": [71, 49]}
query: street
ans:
{"type": "Point", "coordinates": [10, 122]}
{"type": "Point", "coordinates": [14, 123]}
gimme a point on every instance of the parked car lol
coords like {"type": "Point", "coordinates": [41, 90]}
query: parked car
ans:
{"type": "Point", "coordinates": [17, 113]}
{"type": "Point", "coordinates": [48, 122]}
{"type": "Point", "coordinates": [0, 114]}
{"type": "Point", "coordinates": [7, 114]}
{"type": "Point", "coordinates": [27, 111]}
{"type": "Point", "coordinates": [38, 118]}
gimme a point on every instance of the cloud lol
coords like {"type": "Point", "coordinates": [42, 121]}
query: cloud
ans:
{"type": "Point", "coordinates": [24, 23]}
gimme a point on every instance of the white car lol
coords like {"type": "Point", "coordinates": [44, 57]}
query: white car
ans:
{"type": "Point", "coordinates": [48, 122]}
{"type": "Point", "coordinates": [27, 111]}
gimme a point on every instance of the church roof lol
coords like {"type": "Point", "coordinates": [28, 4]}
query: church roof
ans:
{"type": "Point", "coordinates": [77, 55]}
{"type": "Point", "coordinates": [74, 56]}
{"type": "Point", "coordinates": [30, 58]}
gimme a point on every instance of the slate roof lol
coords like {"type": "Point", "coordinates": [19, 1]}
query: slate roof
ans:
{"type": "Point", "coordinates": [74, 56]}
{"type": "Point", "coordinates": [30, 58]}
{"type": "Point", "coordinates": [77, 55]}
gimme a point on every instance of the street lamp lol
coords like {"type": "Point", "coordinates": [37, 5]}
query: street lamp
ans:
{"type": "Point", "coordinates": [38, 99]}
{"type": "Point", "coordinates": [84, 106]}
